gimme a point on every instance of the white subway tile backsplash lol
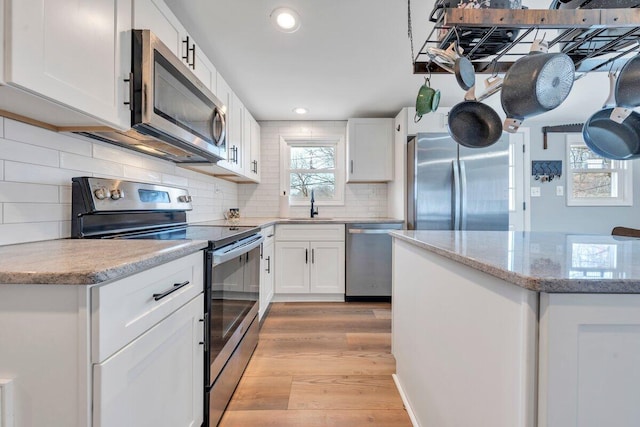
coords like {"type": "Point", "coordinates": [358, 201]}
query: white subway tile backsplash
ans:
{"type": "Point", "coordinates": [35, 191]}
{"type": "Point", "coordinates": [116, 154]}
{"type": "Point", "coordinates": [174, 180]}
{"type": "Point", "coordinates": [18, 131]}
{"type": "Point", "coordinates": [88, 164]}
{"type": "Point", "coordinates": [138, 174]}
{"type": "Point", "coordinates": [28, 232]}
{"type": "Point", "coordinates": [36, 212]}
{"type": "Point", "coordinates": [21, 152]}
{"type": "Point", "coordinates": [64, 194]}
{"type": "Point", "coordinates": [158, 165]}
{"type": "Point", "coordinates": [19, 192]}
{"type": "Point", "coordinates": [24, 172]}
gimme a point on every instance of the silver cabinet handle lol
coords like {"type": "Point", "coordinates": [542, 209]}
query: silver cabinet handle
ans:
{"type": "Point", "coordinates": [351, 166]}
{"type": "Point", "coordinates": [370, 231]}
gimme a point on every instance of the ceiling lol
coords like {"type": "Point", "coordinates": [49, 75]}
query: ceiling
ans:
{"type": "Point", "coordinates": [350, 58]}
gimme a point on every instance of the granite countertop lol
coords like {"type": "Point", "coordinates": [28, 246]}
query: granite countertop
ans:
{"type": "Point", "coordinates": [545, 262]}
{"type": "Point", "coordinates": [265, 222]}
{"type": "Point", "coordinates": [87, 261]}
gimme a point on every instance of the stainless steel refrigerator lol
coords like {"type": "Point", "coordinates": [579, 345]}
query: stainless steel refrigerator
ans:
{"type": "Point", "coordinates": [451, 187]}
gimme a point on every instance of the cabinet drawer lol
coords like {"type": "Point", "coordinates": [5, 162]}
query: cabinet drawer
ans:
{"type": "Point", "coordinates": [268, 233]}
{"type": "Point", "coordinates": [125, 309]}
{"type": "Point", "coordinates": [304, 232]}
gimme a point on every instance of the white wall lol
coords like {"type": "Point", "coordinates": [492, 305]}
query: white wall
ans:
{"type": "Point", "coordinates": [36, 167]}
{"type": "Point", "coordinates": [261, 200]}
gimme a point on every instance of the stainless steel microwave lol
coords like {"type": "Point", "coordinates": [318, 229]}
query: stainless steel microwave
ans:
{"type": "Point", "coordinates": [173, 115]}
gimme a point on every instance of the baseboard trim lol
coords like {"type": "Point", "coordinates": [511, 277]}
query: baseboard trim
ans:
{"type": "Point", "coordinates": [405, 401]}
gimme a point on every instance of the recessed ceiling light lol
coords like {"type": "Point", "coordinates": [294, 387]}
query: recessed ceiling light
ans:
{"type": "Point", "coordinates": [300, 110]}
{"type": "Point", "coordinates": [285, 19]}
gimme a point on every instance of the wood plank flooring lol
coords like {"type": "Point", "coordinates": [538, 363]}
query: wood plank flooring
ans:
{"type": "Point", "coordinates": [320, 365]}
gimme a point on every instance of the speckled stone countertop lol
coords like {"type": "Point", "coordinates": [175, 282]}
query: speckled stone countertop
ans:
{"type": "Point", "coordinates": [87, 261]}
{"type": "Point", "coordinates": [265, 222]}
{"type": "Point", "coordinates": [545, 262]}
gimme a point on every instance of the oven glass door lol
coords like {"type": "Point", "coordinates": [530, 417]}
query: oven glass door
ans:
{"type": "Point", "coordinates": [234, 293]}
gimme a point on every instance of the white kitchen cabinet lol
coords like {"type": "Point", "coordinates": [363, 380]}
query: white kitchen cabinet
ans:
{"type": "Point", "coordinates": [267, 265]}
{"type": "Point", "coordinates": [116, 363]}
{"type": "Point", "coordinates": [251, 147]}
{"type": "Point", "coordinates": [310, 259]}
{"type": "Point", "coordinates": [74, 53]}
{"type": "Point", "coordinates": [156, 380]}
{"type": "Point", "coordinates": [588, 363]}
{"type": "Point", "coordinates": [156, 16]}
{"type": "Point", "coordinates": [369, 150]}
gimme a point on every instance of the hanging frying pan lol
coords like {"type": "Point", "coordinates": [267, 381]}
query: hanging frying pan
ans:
{"type": "Point", "coordinates": [535, 84]}
{"type": "Point", "coordinates": [465, 73]}
{"type": "Point", "coordinates": [627, 91]}
{"type": "Point", "coordinates": [608, 138]}
{"type": "Point", "coordinates": [474, 124]}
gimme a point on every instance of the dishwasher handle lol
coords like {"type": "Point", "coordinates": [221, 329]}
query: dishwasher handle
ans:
{"type": "Point", "coordinates": [371, 230]}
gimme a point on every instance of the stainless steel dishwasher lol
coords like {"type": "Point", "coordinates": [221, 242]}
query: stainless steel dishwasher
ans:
{"type": "Point", "coordinates": [369, 261]}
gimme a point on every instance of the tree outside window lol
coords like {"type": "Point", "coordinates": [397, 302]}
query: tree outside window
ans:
{"type": "Point", "coordinates": [594, 180]}
{"type": "Point", "coordinates": [313, 164]}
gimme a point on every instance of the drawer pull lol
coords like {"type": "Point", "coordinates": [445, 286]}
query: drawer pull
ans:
{"type": "Point", "coordinates": [176, 286]}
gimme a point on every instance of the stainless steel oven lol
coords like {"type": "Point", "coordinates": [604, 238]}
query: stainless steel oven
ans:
{"type": "Point", "coordinates": [233, 296]}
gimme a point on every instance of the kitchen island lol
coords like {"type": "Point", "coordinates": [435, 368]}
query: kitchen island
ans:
{"type": "Point", "coordinates": [517, 328]}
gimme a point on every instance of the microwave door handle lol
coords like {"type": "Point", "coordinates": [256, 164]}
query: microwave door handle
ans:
{"type": "Point", "coordinates": [218, 136]}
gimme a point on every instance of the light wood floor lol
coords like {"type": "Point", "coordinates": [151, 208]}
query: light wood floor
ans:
{"type": "Point", "coordinates": [320, 365]}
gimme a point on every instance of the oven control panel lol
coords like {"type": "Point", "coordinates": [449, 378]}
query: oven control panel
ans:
{"type": "Point", "coordinates": [118, 195]}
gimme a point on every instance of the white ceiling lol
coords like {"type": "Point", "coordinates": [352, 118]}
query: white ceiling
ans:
{"type": "Point", "coordinates": [350, 58]}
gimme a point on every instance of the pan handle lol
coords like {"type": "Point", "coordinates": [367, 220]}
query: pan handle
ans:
{"type": "Point", "coordinates": [511, 125]}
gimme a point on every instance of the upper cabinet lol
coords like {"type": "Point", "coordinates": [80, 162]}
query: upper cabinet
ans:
{"type": "Point", "coordinates": [75, 54]}
{"type": "Point", "coordinates": [369, 150]}
{"type": "Point", "coordinates": [252, 147]}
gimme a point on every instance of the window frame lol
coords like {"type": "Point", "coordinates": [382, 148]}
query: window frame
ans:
{"type": "Point", "coordinates": [623, 168]}
{"type": "Point", "coordinates": [337, 141]}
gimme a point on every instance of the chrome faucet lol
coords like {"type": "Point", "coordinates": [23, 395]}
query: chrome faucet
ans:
{"type": "Point", "coordinates": [313, 212]}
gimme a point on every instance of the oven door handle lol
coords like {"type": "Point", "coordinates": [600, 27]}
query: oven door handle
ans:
{"type": "Point", "coordinates": [221, 257]}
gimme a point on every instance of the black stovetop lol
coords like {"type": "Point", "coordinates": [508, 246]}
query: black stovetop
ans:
{"type": "Point", "coordinates": [217, 235]}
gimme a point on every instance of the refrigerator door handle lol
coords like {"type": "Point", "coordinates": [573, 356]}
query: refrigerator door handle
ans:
{"type": "Point", "coordinates": [455, 197]}
{"type": "Point", "coordinates": [463, 196]}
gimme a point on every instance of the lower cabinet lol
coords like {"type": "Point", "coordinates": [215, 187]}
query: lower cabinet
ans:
{"type": "Point", "coordinates": [267, 267]}
{"type": "Point", "coordinates": [588, 363]}
{"type": "Point", "coordinates": [310, 259]}
{"type": "Point", "coordinates": [156, 380]}
{"type": "Point", "coordinates": [124, 353]}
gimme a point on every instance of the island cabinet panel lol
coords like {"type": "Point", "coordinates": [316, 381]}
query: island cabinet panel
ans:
{"type": "Point", "coordinates": [464, 343]}
{"type": "Point", "coordinates": [589, 373]}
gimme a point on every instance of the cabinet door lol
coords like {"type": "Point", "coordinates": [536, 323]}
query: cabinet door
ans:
{"type": "Point", "coordinates": [204, 70]}
{"type": "Point", "coordinates": [252, 272]}
{"type": "Point", "coordinates": [75, 52]}
{"type": "Point", "coordinates": [156, 16]}
{"type": "Point", "coordinates": [237, 137]}
{"type": "Point", "coordinates": [251, 147]}
{"type": "Point", "coordinates": [157, 380]}
{"type": "Point", "coordinates": [225, 94]}
{"type": "Point", "coordinates": [292, 267]}
{"type": "Point", "coordinates": [266, 277]}
{"type": "Point", "coordinates": [327, 267]}
{"type": "Point", "coordinates": [369, 150]}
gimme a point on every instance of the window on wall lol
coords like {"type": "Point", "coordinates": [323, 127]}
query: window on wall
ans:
{"type": "Point", "coordinates": [595, 181]}
{"type": "Point", "coordinates": [313, 164]}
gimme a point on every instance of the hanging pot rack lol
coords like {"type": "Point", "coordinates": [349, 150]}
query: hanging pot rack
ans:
{"type": "Point", "coordinates": [579, 30]}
